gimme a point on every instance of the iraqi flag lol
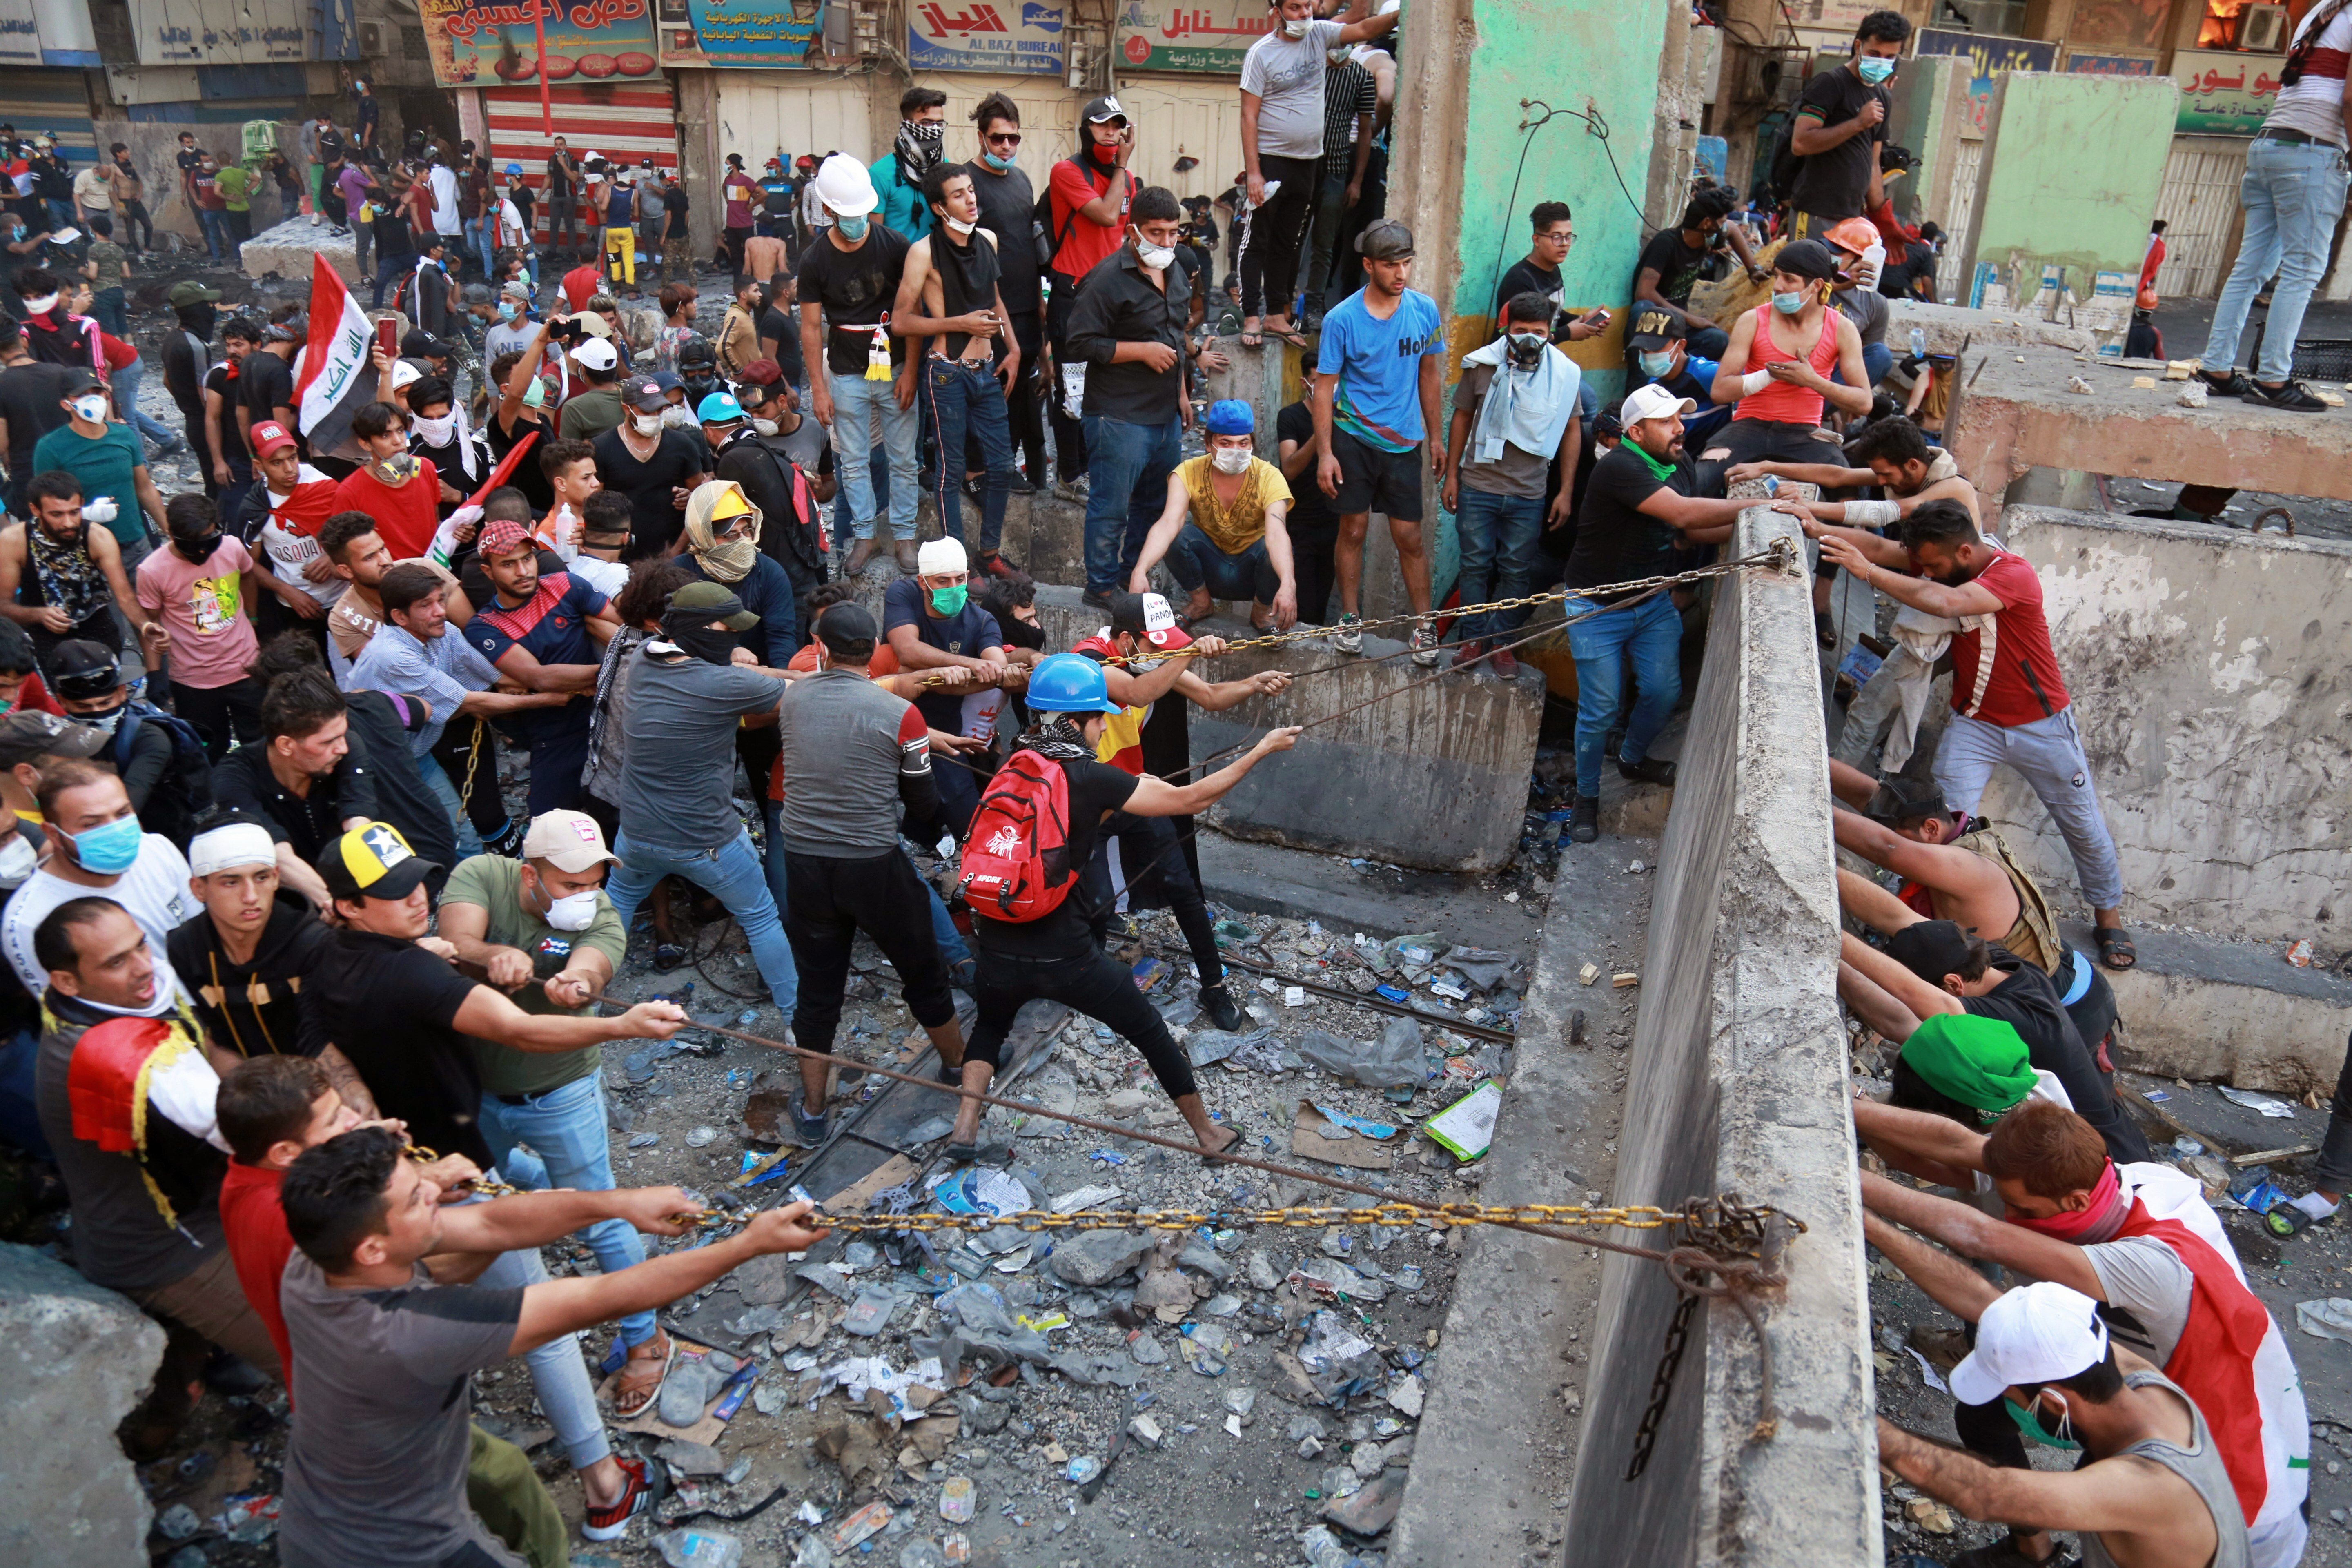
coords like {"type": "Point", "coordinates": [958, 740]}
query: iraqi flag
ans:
{"type": "Point", "coordinates": [336, 377]}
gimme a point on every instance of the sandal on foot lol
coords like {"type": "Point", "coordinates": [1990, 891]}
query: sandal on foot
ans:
{"type": "Point", "coordinates": [2115, 950]}
{"type": "Point", "coordinates": [1217, 1156]}
{"type": "Point", "coordinates": [963, 1153]}
{"type": "Point", "coordinates": [630, 1399]}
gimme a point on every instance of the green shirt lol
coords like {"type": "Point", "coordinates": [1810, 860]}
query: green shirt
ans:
{"type": "Point", "coordinates": [588, 415]}
{"type": "Point", "coordinates": [494, 884]}
{"type": "Point", "coordinates": [236, 182]}
{"type": "Point", "coordinates": [111, 267]}
{"type": "Point", "coordinates": [107, 466]}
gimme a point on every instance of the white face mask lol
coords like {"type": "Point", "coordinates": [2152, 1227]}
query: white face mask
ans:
{"type": "Point", "coordinates": [436, 431]}
{"type": "Point", "coordinates": [1291, 29]}
{"type": "Point", "coordinates": [959, 228]}
{"type": "Point", "coordinates": [1156, 257]}
{"type": "Point", "coordinates": [92, 408]}
{"type": "Point", "coordinates": [645, 424]}
{"type": "Point", "coordinates": [677, 417]}
{"type": "Point", "coordinates": [1231, 460]}
{"type": "Point", "coordinates": [574, 911]}
{"type": "Point", "coordinates": [36, 306]}
{"type": "Point", "coordinates": [764, 427]}
{"type": "Point", "coordinates": [17, 859]}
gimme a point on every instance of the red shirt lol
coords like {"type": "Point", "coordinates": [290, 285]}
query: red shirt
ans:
{"type": "Point", "coordinates": [32, 697]}
{"type": "Point", "coordinates": [580, 286]}
{"type": "Point", "coordinates": [405, 518]}
{"type": "Point", "coordinates": [253, 1223]}
{"type": "Point", "coordinates": [1070, 188]}
{"type": "Point", "coordinates": [2022, 684]}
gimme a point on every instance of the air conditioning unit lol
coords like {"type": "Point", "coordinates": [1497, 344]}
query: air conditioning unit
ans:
{"type": "Point", "coordinates": [2261, 28]}
{"type": "Point", "coordinates": [371, 41]}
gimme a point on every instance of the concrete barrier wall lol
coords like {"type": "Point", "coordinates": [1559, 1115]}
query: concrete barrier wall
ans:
{"type": "Point", "coordinates": [2208, 681]}
{"type": "Point", "coordinates": [1738, 1083]}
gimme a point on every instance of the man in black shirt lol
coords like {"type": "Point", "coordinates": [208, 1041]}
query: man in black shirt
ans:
{"type": "Point", "coordinates": [848, 281]}
{"type": "Point", "coordinates": [1006, 202]}
{"type": "Point", "coordinates": [1674, 261]}
{"type": "Point", "coordinates": [655, 467]}
{"type": "Point", "coordinates": [32, 404]}
{"type": "Point", "coordinates": [1537, 272]}
{"type": "Point", "coordinates": [1055, 955]}
{"type": "Point", "coordinates": [1638, 508]}
{"type": "Point", "coordinates": [266, 378]}
{"type": "Point", "coordinates": [1129, 328]}
{"type": "Point", "coordinates": [1313, 526]}
{"type": "Point", "coordinates": [1840, 126]}
{"type": "Point", "coordinates": [303, 776]}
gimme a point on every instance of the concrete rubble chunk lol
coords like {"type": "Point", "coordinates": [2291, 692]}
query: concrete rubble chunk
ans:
{"type": "Point", "coordinates": [80, 1358]}
{"type": "Point", "coordinates": [1095, 1258]}
{"type": "Point", "coordinates": [691, 1458]}
{"type": "Point", "coordinates": [686, 1393]}
{"type": "Point", "coordinates": [1406, 1397]}
{"type": "Point", "coordinates": [1371, 1509]}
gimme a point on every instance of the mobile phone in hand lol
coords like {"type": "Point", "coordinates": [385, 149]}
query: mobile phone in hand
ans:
{"type": "Point", "coordinates": [387, 337]}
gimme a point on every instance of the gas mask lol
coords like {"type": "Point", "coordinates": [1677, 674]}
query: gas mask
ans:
{"type": "Point", "coordinates": [1526, 348]}
{"type": "Point", "coordinates": [395, 471]}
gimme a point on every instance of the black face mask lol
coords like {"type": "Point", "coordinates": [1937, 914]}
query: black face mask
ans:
{"type": "Point", "coordinates": [199, 319]}
{"type": "Point", "coordinates": [708, 646]}
{"type": "Point", "coordinates": [197, 550]}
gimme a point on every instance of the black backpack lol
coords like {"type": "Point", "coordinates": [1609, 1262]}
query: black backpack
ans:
{"type": "Point", "coordinates": [1041, 217]}
{"type": "Point", "coordinates": [184, 793]}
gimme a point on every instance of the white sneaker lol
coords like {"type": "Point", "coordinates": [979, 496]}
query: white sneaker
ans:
{"type": "Point", "coordinates": [316, 220]}
{"type": "Point", "coordinates": [1424, 646]}
{"type": "Point", "coordinates": [1349, 635]}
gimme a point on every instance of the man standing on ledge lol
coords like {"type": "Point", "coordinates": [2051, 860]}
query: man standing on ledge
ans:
{"type": "Point", "coordinates": [2009, 701]}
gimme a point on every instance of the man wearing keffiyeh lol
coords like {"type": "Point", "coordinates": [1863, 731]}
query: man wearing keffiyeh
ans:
{"type": "Point", "coordinates": [898, 174]}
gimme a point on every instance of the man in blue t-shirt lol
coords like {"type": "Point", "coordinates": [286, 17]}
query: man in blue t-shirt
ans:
{"type": "Point", "coordinates": [1375, 402]}
{"type": "Point", "coordinates": [1660, 341]}
{"type": "Point", "coordinates": [545, 633]}
{"type": "Point", "coordinates": [931, 623]}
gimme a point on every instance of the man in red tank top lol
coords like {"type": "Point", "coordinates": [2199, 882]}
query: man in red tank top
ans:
{"type": "Point", "coordinates": [1777, 370]}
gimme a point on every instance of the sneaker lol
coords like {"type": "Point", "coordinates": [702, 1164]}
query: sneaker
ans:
{"type": "Point", "coordinates": [995, 564]}
{"type": "Point", "coordinates": [1071, 489]}
{"type": "Point", "coordinates": [2293, 397]}
{"type": "Point", "coordinates": [668, 956]}
{"type": "Point", "coordinates": [2233, 384]}
{"type": "Point", "coordinates": [904, 550]}
{"type": "Point", "coordinates": [1347, 637]}
{"type": "Point", "coordinates": [1223, 1010]}
{"type": "Point", "coordinates": [1649, 770]}
{"type": "Point", "coordinates": [964, 975]}
{"type": "Point", "coordinates": [1424, 646]}
{"type": "Point", "coordinates": [1468, 653]}
{"type": "Point", "coordinates": [1022, 485]}
{"type": "Point", "coordinates": [860, 554]}
{"type": "Point", "coordinates": [637, 1497]}
{"type": "Point", "coordinates": [1094, 599]}
{"type": "Point", "coordinates": [1505, 664]}
{"type": "Point", "coordinates": [809, 1130]}
{"type": "Point", "coordinates": [1585, 821]}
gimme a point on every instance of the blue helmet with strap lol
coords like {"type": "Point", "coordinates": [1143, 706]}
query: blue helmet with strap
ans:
{"type": "Point", "coordinates": [1069, 683]}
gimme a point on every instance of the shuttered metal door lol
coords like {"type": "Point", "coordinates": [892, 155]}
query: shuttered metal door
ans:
{"type": "Point", "coordinates": [627, 124]}
{"type": "Point", "coordinates": [2199, 204]}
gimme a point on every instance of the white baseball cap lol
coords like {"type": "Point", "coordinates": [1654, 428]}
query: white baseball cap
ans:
{"type": "Point", "coordinates": [1653, 402]}
{"type": "Point", "coordinates": [842, 185]}
{"type": "Point", "coordinates": [567, 840]}
{"type": "Point", "coordinates": [940, 556]}
{"type": "Point", "coordinates": [403, 373]}
{"type": "Point", "coordinates": [596, 353]}
{"type": "Point", "coordinates": [230, 844]}
{"type": "Point", "coordinates": [2033, 1334]}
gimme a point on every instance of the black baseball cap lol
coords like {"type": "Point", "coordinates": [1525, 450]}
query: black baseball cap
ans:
{"type": "Point", "coordinates": [645, 395]}
{"type": "Point", "coordinates": [847, 626]}
{"type": "Point", "coordinates": [1104, 107]}
{"type": "Point", "coordinates": [1930, 950]}
{"type": "Point", "coordinates": [1654, 328]}
{"type": "Point", "coordinates": [1808, 259]}
{"type": "Point", "coordinates": [82, 670]}
{"type": "Point", "coordinates": [418, 344]}
{"type": "Point", "coordinates": [372, 861]}
{"type": "Point", "coordinates": [28, 733]}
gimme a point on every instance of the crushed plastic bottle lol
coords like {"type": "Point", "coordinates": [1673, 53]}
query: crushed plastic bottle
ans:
{"type": "Point", "coordinates": [698, 1549]}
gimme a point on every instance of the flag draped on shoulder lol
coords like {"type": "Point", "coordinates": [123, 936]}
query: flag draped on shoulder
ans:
{"type": "Point", "coordinates": [337, 375]}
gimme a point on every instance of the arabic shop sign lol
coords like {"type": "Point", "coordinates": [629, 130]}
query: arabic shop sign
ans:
{"type": "Point", "coordinates": [219, 32]}
{"type": "Point", "coordinates": [489, 43]}
{"type": "Point", "coordinates": [1018, 36]}
{"type": "Point", "coordinates": [1161, 36]}
{"type": "Point", "coordinates": [787, 34]}
{"type": "Point", "coordinates": [1988, 56]}
{"type": "Point", "coordinates": [2223, 93]}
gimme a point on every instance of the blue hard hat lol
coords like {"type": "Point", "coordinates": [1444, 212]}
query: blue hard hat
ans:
{"type": "Point", "coordinates": [1069, 683]}
{"type": "Point", "coordinates": [719, 408]}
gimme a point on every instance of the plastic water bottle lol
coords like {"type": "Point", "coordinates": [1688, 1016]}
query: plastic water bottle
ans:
{"type": "Point", "coordinates": [698, 1549]}
{"type": "Point", "coordinates": [1918, 342]}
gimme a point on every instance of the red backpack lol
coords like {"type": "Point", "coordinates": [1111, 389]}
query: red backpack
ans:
{"type": "Point", "coordinates": [1016, 855]}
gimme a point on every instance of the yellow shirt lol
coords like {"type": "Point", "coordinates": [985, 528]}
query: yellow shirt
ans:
{"type": "Point", "coordinates": [1236, 528]}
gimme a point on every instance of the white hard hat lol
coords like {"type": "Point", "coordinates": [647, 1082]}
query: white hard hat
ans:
{"type": "Point", "coordinates": [842, 185]}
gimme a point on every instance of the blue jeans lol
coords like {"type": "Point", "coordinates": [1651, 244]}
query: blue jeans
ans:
{"type": "Point", "coordinates": [126, 403]}
{"type": "Point", "coordinates": [855, 402]}
{"type": "Point", "coordinates": [216, 227]}
{"type": "Point", "coordinates": [20, 1122]}
{"type": "Point", "coordinates": [2292, 196]}
{"type": "Point", "coordinates": [878, 474]}
{"type": "Point", "coordinates": [445, 790]}
{"type": "Point", "coordinates": [387, 269]}
{"type": "Point", "coordinates": [1652, 633]}
{"type": "Point", "coordinates": [481, 238]}
{"type": "Point", "coordinates": [565, 1130]}
{"type": "Point", "coordinates": [963, 397]}
{"type": "Point", "coordinates": [1127, 485]}
{"type": "Point", "coordinates": [112, 313]}
{"type": "Point", "coordinates": [558, 1373]}
{"type": "Point", "coordinates": [1498, 536]}
{"type": "Point", "coordinates": [730, 873]}
{"type": "Point", "coordinates": [1195, 562]}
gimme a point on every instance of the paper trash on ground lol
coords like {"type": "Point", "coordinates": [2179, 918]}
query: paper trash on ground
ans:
{"type": "Point", "coordinates": [2329, 1318]}
{"type": "Point", "coordinates": [1468, 1126]}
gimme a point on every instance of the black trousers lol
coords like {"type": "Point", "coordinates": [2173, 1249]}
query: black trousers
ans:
{"type": "Point", "coordinates": [1091, 982]}
{"type": "Point", "coordinates": [218, 711]}
{"type": "Point", "coordinates": [833, 900]}
{"type": "Point", "coordinates": [484, 809]}
{"type": "Point", "coordinates": [1314, 574]}
{"type": "Point", "coordinates": [1069, 436]}
{"type": "Point", "coordinates": [1277, 232]}
{"type": "Point", "coordinates": [134, 219]}
{"type": "Point", "coordinates": [1149, 847]}
{"type": "Point", "coordinates": [1024, 414]}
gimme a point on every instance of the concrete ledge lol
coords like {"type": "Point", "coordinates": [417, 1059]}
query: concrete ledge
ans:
{"type": "Point", "coordinates": [2235, 1013]}
{"type": "Point", "coordinates": [1950, 326]}
{"type": "Point", "coordinates": [287, 248]}
{"type": "Point", "coordinates": [2011, 417]}
{"type": "Point", "coordinates": [1738, 1083]}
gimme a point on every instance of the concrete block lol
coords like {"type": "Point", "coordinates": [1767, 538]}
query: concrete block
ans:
{"type": "Point", "coordinates": [80, 1358]}
{"type": "Point", "coordinates": [2208, 685]}
{"type": "Point", "coordinates": [1949, 326]}
{"type": "Point", "coordinates": [1738, 1083]}
{"type": "Point", "coordinates": [288, 249]}
{"type": "Point", "coordinates": [1435, 778]}
{"type": "Point", "coordinates": [2227, 1012]}
{"type": "Point", "coordinates": [2011, 417]}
